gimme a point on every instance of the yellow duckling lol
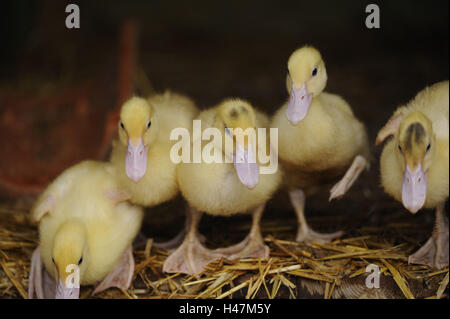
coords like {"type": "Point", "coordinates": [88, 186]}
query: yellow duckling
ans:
{"type": "Point", "coordinates": [414, 164]}
{"type": "Point", "coordinates": [86, 229]}
{"type": "Point", "coordinates": [142, 152]}
{"type": "Point", "coordinates": [319, 138]}
{"type": "Point", "coordinates": [225, 188]}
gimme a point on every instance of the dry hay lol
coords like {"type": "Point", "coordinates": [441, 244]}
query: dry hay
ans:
{"type": "Point", "coordinates": [333, 270]}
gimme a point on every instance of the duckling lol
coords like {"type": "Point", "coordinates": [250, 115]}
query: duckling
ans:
{"type": "Point", "coordinates": [225, 188]}
{"type": "Point", "coordinates": [414, 164]}
{"type": "Point", "coordinates": [142, 152]}
{"type": "Point", "coordinates": [86, 229]}
{"type": "Point", "coordinates": [319, 138]}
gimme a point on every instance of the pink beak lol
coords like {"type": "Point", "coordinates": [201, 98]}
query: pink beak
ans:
{"type": "Point", "coordinates": [63, 292]}
{"type": "Point", "coordinates": [414, 188]}
{"type": "Point", "coordinates": [246, 167]}
{"type": "Point", "coordinates": [136, 160]}
{"type": "Point", "coordinates": [298, 104]}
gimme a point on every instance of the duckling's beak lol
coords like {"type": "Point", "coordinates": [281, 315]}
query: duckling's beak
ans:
{"type": "Point", "coordinates": [298, 104]}
{"type": "Point", "coordinates": [64, 292]}
{"type": "Point", "coordinates": [136, 159]}
{"type": "Point", "coordinates": [414, 188]}
{"type": "Point", "coordinates": [245, 165]}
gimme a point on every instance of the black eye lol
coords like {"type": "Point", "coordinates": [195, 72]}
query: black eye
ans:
{"type": "Point", "coordinates": [314, 71]}
{"type": "Point", "coordinates": [428, 147]}
{"type": "Point", "coordinates": [149, 124]}
{"type": "Point", "coordinates": [53, 260]}
{"type": "Point", "coordinates": [121, 125]}
{"type": "Point", "coordinates": [399, 148]}
{"type": "Point", "coordinates": [80, 261]}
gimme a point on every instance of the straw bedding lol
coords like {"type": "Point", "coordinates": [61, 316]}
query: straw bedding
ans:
{"type": "Point", "coordinates": [294, 270]}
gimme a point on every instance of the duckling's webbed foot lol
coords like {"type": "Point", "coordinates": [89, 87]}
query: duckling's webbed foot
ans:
{"type": "Point", "coordinates": [425, 255]}
{"type": "Point", "coordinates": [191, 256]}
{"type": "Point", "coordinates": [435, 251]}
{"type": "Point", "coordinates": [173, 243]}
{"type": "Point", "coordinates": [352, 174]}
{"type": "Point", "coordinates": [252, 246]}
{"type": "Point", "coordinates": [305, 233]}
{"type": "Point", "coordinates": [40, 284]}
{"type": "Point", "coordinates": [176, 241]}
{"type": "Point", "coordinates": [121, 275]}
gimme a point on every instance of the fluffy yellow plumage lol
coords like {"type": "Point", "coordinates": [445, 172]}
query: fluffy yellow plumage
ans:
{"type": "Point", "coordinates": [85, 221]}
{"type": "Point", "coordinates": [319, 137]}
{"type": "Point", "coordinates": [414, 164]}
{"type": "Point", "coordinates": [215, 187]}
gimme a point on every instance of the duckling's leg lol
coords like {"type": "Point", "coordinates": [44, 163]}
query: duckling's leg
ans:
{"type": "Point", "coordinates": [435, 251]}
{"type": "Point", "coordinates": [173, 243]}
{"type": "Point", "coordinates": [306, 234]}
{"type": "Point", "coordinates": [191, 256]}
{"type": "Point", "coordinates": [121, 275]}
{"type": "Point", "coordinates": [253, 245]}
{"type": "Point", "coordinates": [352, 174]}
{"type": "Point", "coordinates": [40, 284]}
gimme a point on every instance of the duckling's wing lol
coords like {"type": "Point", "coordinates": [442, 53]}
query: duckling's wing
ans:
{"type": "Point", "coordinates": [43, 206]}
{"type": "Point", "coordinates": [391, 126]}
{"type": "Point", "coordinates": [40, 284]}
{"type": "Point", "coordinates": [61, 185]}
{"type": "Point", "coordinates": [121, 275]}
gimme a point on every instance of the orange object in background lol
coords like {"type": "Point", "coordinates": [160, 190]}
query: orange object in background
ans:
{"type": "Point", "coordinates": [42, 136]}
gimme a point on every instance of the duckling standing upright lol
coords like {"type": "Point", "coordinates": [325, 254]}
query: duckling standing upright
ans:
{"type": "Point", "coordinates": [225, 188]}
{"type": "Point", "coordinates": [414, 164]}
{"type": "Point", "coordinates": [319, 138]}
{"type": "Point", "coordinates": [142, 153]}
{"type": "Point", "coordinates": [86, 227]}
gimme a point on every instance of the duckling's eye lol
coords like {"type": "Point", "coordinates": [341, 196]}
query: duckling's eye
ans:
{"type": "Point", "coordinates": [80, 261]}
{"type": "Point", "coordinates": [121, 125]}
{"type": "Point", "coordinates": [149, 124]}
{"type": "Point", "coordinates": [314, 71]}
{"type": "Point", "coordinates": [399, 148]}
{"type": "Point", "coordinates": [53, 260]}
{"type": "Point", "coordinates": [428, 147]}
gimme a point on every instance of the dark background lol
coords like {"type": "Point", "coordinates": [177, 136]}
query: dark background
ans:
{"type": "Point", "coordinates": [210, 50]}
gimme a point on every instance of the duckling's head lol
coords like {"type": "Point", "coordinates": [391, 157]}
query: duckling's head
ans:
{"type": "Point", "coordinates": [415, 150]}
{"type": "Point", "coordinates": [306, 79]}
{"type": "Point", "coordinates": [137, 130]}
{"type": "Point", "coordinates": [237, 119]}
{"type": "Point", "coordinates": [70, 256]}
